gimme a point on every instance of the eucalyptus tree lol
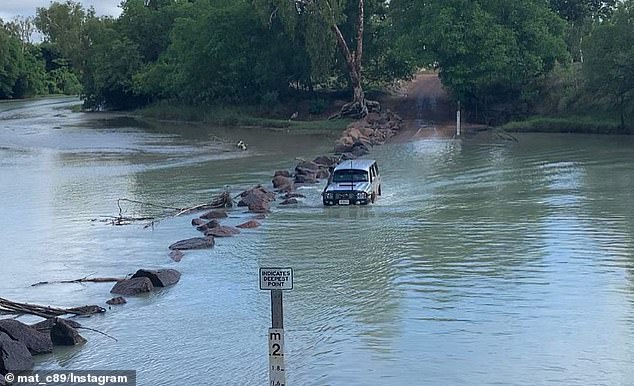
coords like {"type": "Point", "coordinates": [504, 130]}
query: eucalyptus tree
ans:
{"type": "Point", "coordinates": [320, 23]}
{"type": "Point", "coordinates": [581, 15]}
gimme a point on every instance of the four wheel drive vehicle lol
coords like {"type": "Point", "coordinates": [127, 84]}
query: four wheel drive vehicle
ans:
{"type": "Point", "coordinates": [353, 182]}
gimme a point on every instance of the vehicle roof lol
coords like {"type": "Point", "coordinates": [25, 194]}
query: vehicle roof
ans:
{"type": "Point", "coordinates": [360, 164]}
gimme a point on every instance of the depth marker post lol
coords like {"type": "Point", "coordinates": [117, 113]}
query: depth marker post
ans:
{"type": "Point", "coordinates": [276, 280]}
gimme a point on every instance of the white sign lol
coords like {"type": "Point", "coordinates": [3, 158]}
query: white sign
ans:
{"type": "Point", "coordinates": [276, 278]}
{"type": "Point", "coordinates": [277, 374]}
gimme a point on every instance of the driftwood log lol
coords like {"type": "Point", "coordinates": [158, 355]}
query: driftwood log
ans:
{"type": "Point", "coordinates": [11, 307]}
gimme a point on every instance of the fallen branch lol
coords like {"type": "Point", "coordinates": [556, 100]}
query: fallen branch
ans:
{"type": "Point", "coordinates": [223, 200]}
{"type": "Point", "coordinates": [85, 279]}
{"type": "Point", "coordinates": [11, 307]}
{"type": "Point", "coordinates": [100, 332]}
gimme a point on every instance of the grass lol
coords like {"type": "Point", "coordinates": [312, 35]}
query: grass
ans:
{"type": "Point", "coordinates": [236, 116]}
{"type": "Point", "coordinates": [568, 124]}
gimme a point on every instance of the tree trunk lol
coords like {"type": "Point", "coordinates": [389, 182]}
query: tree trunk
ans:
{"type": "Point", "coordinates": [359, 107]}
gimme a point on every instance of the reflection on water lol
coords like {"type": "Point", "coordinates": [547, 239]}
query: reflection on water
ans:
{"type": "Point", "coordinates": [485, 261]}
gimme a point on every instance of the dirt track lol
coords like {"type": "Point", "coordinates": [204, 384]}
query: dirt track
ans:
{"type": "Point", "coordinates": [426, 109]}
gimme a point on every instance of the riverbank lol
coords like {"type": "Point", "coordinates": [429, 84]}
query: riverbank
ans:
{"type": "Point", "coordinates": [570, 124]}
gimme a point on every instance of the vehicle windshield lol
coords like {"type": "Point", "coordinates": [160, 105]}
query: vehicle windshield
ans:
{"type": "Point", "coordinates": [350, 176]}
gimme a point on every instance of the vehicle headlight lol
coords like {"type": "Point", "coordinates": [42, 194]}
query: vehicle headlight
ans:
{"type": "Point", "coordinates": [362, 195]}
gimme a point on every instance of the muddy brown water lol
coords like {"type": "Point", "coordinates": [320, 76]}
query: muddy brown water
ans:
{"type": "Point", "coordinates": [485, 262]}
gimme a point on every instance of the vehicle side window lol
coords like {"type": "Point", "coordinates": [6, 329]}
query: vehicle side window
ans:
{"type": "Point", "coordinates": [371, 173]}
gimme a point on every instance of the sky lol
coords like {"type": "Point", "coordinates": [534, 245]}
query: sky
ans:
{"type": "Point", "coordinates": [11, 8]}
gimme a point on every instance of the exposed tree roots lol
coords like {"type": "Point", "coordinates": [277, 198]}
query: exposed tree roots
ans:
{"type": "Point", "coordinates": [357, 109]}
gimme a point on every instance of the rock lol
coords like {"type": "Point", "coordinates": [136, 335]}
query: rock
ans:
{"type": "Point", "coordinates": [286, 188]}
{"type": "Point", "coordinates": [176, 255]}
{"type": "Point", "coordinates": [193, 243]}
{"type": "Point", "coordinates": [63, 334]}
{"type": "Point", "coordinates": [308, 165]}
{"type": "Point", "coordinates": [45, 325]}
{"type": "Point", "coordinates": [359, 151]}
{"type": "Point", "coordinates": [279, 181]}
{"type": "Point", "coordinates": [116, 301]}
{"type": "Point", "coordinates": [326, 161]}
{"type": "Point", "coordinates": [198, 222]}
{"type": "Point", "coordinates": [259, 216]}
{"type": "Point", "coordinates": [214, 214]}
{"type": "Point", "coordinates": [322, 173]}
{"type": "Point", "coordinates": [283, 173]}
{"type": "Point", "coordinates": [289, 201]}
{"type": "Point", "coordinates": [249, 224]}
{"type": "Point", "coordinates": [257, 199]}
{"type": "Point", "coordinates": [160, 277]}
{"type": "Point", "coordinates": [306, 178]}
{"type": "Point", "coordinates": [208, 225]}
{"type": "Point", "coordinates": [14, 356]}
{"type": "Point", "coordinates": [35, 341]}
{"type": "Point", "coordinates": [293, 195]}
{"type": "Point", "coordinates": [341, 148]}
{"type": "Point", "coordinates": [135, 286]}
{"type": "Point", "coordinates": [222, 231]}
{"type": "Point", "coordinates": [354, 133]}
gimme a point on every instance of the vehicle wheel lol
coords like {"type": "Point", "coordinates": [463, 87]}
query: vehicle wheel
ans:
{"type": "Point", "coordinates": [379, 190]}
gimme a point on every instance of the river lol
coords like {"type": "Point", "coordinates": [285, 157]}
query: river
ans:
{"type": "Point", "coordinates": [487, 261]}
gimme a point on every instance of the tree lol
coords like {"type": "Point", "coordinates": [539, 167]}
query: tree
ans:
{"type": "Point", "coordinates": [609, 65]}
{"type": "Point", "coordinates": [63, 25]}
{"type": "Point", "coordinates": [321, 21]}
{"type": "Point", "coordinates": [490, 53]}
{"type": "Point", "coordinates": [581, 15]}
{"type": "Point", "coordinates": [11, 62]}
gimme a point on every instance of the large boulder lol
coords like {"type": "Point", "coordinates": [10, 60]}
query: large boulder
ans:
{"type": "Point", "coordinates": [281, 181]}
{"type": "Point", "coordinates": [306, 178]}
{"type": "Point", "coordinates": [193, 243]}
{"type": "Point", "coordinates": [14, 356]}
{"type": "Point", "coordinates": [222, 231]}
{"type": "Point", "coordinates": [46, 324]}
{"type": "Point", "coordinates": [214, 214]}
{"type": "Point", "coordinates": [63, 334]}
{"type": "Point", "coordinates": [309, 165]}
{"type": "Point", "coordinates": [35, 341]}
{"type": "Point", "coordinates": [257, 199]}
{"type": "Point", "coordinates": [135, 286]}
{"type": "Point", "coordinates": [160, 277]}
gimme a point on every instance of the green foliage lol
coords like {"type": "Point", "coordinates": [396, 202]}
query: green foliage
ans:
{"type": "Point", "coordinates": [609, 65]}
{"type": "Point", "coordinates": [317, 106]}
{"type": "Point", "coordinates": [11, 63]}
{"type": "Point", "coordinates": [111, 63]}
{"type": "Point", "coordinates": [63, 26]}
{"type": "Point", "coordinates": [490, 53]}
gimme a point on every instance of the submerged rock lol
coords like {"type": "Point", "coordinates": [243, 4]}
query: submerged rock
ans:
{"type": "Point", "coordinates": [193, 243]}
{"type": "Point", "coordinates": [208, 225]}
{"type": "Point", "coordinates": [289, 201]}
{"type": "Point", "coordinates": [214, 214]}
{"type": "Point", "coordinates": [36, 342]}
{"type": "Point", "coordinates": [63, 334]}
{"type": "Point", "coordinates": [14, 356]}
{"type": "Point", "coordinates": [159, 277]}
{"type": "Point", "coordinates": [222, 231]}
{"type": "Point", "coordinates": [116, 301]}
{"type": "Point", "coordinates": [198, 222]}
{"type": "Point", "coordinates": [249, 224]}
{"type": "Point", "coordinates": [135, 286]}
{"type": "Point", "coordinates": [176, 255]}
{"type": "Point", "coordinates": [283, 173]}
